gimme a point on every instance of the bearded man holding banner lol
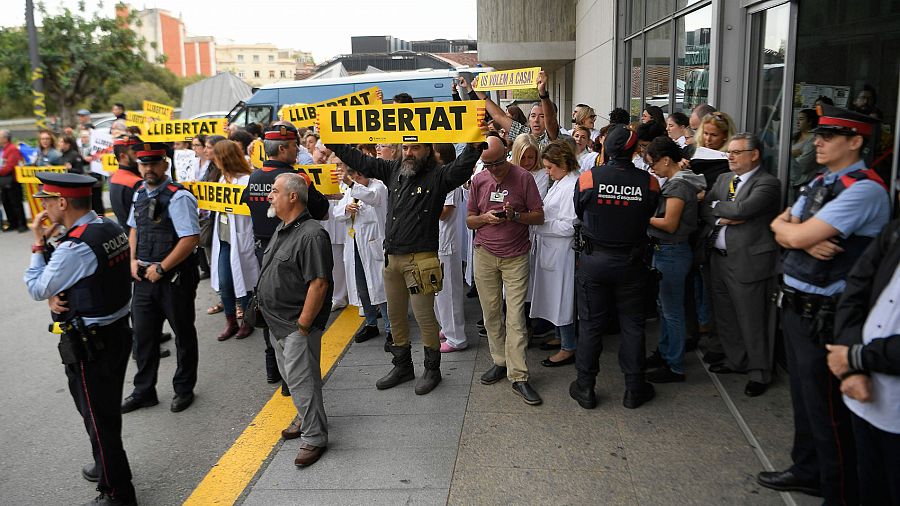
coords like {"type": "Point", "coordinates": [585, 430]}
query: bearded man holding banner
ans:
{"type": "Point", "coordinates": [417, 186]}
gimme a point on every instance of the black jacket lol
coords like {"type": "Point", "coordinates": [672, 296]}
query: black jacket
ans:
{"type": "Point", "coordinates": [416, 202]}
{"type": "Point", "coordinates": [865, 282]}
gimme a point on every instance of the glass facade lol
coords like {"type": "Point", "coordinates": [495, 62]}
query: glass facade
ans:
{"type": "Point", "coordinates": [769, 40]}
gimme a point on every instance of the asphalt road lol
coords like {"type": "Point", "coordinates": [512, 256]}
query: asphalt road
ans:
{"type": "Point", "coordinates": [43, 444]}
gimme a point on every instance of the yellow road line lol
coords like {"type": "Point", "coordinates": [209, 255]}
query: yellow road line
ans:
{"type": "Point", "coordinates": [232, 473]}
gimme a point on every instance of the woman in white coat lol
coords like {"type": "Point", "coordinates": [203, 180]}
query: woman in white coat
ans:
{"type": "Point", "coordinates": [552, 283]}
{"type": "Point", "coordinates": [363, 213]}
{"type": "Point", "coordinates": [234, 268]}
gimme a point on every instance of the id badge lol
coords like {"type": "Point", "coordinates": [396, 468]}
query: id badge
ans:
{"type": "Point", "coordinates": [497, 197]}
{"type": "Point", "coordinates": [223, 218]}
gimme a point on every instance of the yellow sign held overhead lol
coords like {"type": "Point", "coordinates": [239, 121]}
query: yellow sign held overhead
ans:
{"type": "Point", "coordinates": [257, 153]}
{"type": "Point", "coordinates": [517, 79]}
{"type": "Point", "coordinates": [322, 176]}
{"type": "Point", "coordinates": [219, 197]}
{"type": "Point", "coordinates": [421, 122]}
{"type": "Point", "coordinates": [135, 119]}
{"type": "Point", "coordinates": [28, 174]}
{"type": "Point", "coordinates": [182, 130]}
{"type": "Point", "coordinates": [110, 162]}
{"type": "Point", "coordinates": [304, 115]}
{"type": "Point", "coordinates": [157, 112]}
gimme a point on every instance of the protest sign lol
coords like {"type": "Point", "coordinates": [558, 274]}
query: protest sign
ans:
{"type": "Point", "coordinates": [322, 176]}
{"type": "Point", "coordinates": [219, 197]}
{"type": "Point", "coordinates": [257, 154]}
{"type": "Point", "coordinates": [156, 111]}
{"type": "Point", "coordinates": [27, 175]}
{"type": "Point", "coordinates": [110, 162]}
{"type": "Point", "coordinates": [185, 161]}
{"type": "Point", "coordinates": [304, 115]}
{"type": "Point", "coordinates": [517, 79]}
{"type": "Point", "coordinates": [101, 143]}
{"type": "Point", "coordinates": [421, 122]}
{"type": "Point", "coordinates": [182, 130]}
{"type": "Point", "coordinates": [137, 119]}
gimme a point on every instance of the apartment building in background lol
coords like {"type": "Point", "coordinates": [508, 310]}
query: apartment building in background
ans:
{"type": "Point", "coordinates": [165, 34]}
{"type": "Point", "coordinates": [260, 64]}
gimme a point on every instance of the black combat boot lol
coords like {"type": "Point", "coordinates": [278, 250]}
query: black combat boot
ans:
{"type": "Point", "coordinates": [432, 375]}
{"type": "Point", "coordinates": [402, 371]}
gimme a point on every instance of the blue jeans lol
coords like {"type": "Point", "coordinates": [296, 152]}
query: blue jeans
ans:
{"type": "Point", "coordinates": [674, 262]}
{"type": "Point", "coordinates": [226, 281]}
{"type": "Point", "coordinates": [369, 310]}
{"type": "Point", "coordinates": [567, 336]}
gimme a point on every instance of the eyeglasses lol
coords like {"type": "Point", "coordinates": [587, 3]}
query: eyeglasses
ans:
{"type": "Point", "coordinates": [494, 163]}
{"type": "Point", "coordinates": [736, 152]}
{"type": "Point", "coordinates": [196, 145]}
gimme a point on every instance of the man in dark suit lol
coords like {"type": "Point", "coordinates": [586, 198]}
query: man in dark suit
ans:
{"type": "Point", "coordinates": [739, 208]}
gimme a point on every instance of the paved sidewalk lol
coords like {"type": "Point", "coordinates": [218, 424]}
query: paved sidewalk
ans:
{"type": "Point", "coordinates": [467, 443]}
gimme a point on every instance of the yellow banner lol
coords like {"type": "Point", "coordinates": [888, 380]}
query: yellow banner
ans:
{"type": "Point", "coordinates": [26, 174]}
{"type": "Point", "coordinates": [219, 197]}
{"type": "Point", "coordinates": [135, 119]}
{"type": "Point", "coordinates": [110, 162]}
{"type": "Point", "coordinates": [257, 154]}
{"type": "Point", "coordinates": [156, 111]}
{"type": "Point", "coordinates": [304, 115]}
{"type": "Point", "coordinates": [323, 177]}
{"type": "Point", "coordinates": [421, 122]}
{"type": "Point", "coordinates": [517, 79]}
{"type": "Point", "coordinates": [182, 130]}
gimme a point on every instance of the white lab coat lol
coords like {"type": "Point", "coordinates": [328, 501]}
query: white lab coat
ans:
{"type": "Point", "coordinates": [368, 227]}
{"type": "Point", "coordinates": [337, 230]}
{"type": "Point", "coordinates": [552, 281]}
{"type": "Point", "coordinates": [448, 303]}
{"type": "Point", "coordinates": [244, 266]}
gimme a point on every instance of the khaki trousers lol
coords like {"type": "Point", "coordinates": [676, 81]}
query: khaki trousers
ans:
{"type": "Point", "coordinates": [399, 298]}
{"type": "Point", "coordinates": [508, 340]}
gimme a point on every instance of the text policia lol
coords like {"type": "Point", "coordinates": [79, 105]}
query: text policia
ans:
{"type": "Point", "coordinates": [421, 122]}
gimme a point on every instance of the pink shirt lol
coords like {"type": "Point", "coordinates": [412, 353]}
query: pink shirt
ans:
{"type": "Point", "coordinates": [507, 239]}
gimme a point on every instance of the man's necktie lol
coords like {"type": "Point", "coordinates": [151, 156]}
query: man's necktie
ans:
{"type": "Point", "coordinates": [732, 191]}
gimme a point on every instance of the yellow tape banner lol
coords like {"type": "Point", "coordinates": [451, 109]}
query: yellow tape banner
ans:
{"type": "Point", "coordinates": [323, 177]}
{"type": "Point", "coordinates": [219, 197]}
{"type": "Point", "coordinates": [421, 122]}
{"type": "Point", "coordinates": [304, 115]}
{"type": "Point", "coordinates": [156, 111]}
{"type": "Point", "coordinates": [182, 130]}
{"type": "Point", "coordinates": [110, 162]}
{"type": "Point", "coordinates": [517, 79]}
{"type": "Point", "coordinates": [27, 174]}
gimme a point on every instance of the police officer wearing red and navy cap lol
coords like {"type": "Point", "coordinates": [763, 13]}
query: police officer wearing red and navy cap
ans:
{"type": "Point", "coordinates": [826, 230]}
{"type": "Point", "coordinates": [125, 181]}
{"type": "Point", "coordinates": [614, 202]}
{"type": "Point", "coordinates": [87, 281]}
{"type": "Point", "coordinates": [280, 142]}
{"type": "Point", "coordinates": [165, 230]}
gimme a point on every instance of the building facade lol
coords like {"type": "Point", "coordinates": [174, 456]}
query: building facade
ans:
{"type": "Point", "coordinates": [165, 35]}
{"type": "Point", "coordinates": [260, 64]}
{"type": "Point", "coordinates": [761, 61]}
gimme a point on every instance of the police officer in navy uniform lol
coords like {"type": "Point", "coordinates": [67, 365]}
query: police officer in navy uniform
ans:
{"type": "Point", "coordinates": [281, 143]}
{"type": "Point", "coordinates": [125, 181]}
{"type": "Point", "coordinates": [87, 281]}
{"type": "Point", "coordinates": [836, 216]}
{"type": "Point", "coordinates": [614, 202]}
{"type": "Point", "coordinates": [164, 233]}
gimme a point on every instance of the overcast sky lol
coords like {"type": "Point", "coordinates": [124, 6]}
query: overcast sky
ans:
{"type": "Point", "coordinates": [323, 27]}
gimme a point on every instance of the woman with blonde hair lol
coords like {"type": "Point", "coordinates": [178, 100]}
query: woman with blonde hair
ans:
{"type": "Point", "coordinates": [234, 268]}
{"type": "Point", "coordinates": [584, 115]}
{"type": "Point", "coordinates": [715, 132]}
{"type": "Point", "coordinates": [525, 152]}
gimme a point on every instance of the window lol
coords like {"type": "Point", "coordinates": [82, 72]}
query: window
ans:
{"type": "Point", "coordinates": [241, 74]}
{"type": "Point", "coordinates": [283, 74]}
{"type": "Point", "coordinates": [256, 73]}
{"type": "Point", "coordinates": [635, 51]}
{"type": "Point", "coordinates": [692, 35]}
{"type": "Point", "coordinates": [658, 66]}
{"type": "Point", "coordinates": [271, 74]}
{"type": "Point", "coordinates": [271, 58]}
{"type": "Point", "coordinates": [256, 58]}
{"type": "Point", "coordinates": [770, 38]}
{"type": "Point", "coordinates": [240, 58]}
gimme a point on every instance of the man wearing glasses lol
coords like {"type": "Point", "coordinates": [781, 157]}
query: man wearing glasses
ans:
{"type": "Point", "coordinates": [739, 208]}
{"type": "Point", "coordinates": [825, 232]}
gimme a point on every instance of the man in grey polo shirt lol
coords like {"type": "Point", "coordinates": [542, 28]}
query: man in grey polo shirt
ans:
{"type": "Point", "coordinates": [295, 289]}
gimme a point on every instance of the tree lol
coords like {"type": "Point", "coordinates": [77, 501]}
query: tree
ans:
{"type": "Point", "coordinates": [132, 95]}
{"type": "Point", "coordinates": [84, 59]}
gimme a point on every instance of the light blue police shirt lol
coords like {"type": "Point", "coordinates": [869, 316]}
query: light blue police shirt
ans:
{"type": "Point", "coordinates": [182, 210]}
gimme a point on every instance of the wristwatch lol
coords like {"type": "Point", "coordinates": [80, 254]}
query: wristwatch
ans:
{"type": "Point", "coordinates": [37, 248]}
{"type": "Point", "coordinates": [544, 97]}
{"type": "Point", "coordinates": [304, 328]}
{"type": "Point", "coordinates": [515, 215]}
{"type": "Point", "coordinates": [160, 270]}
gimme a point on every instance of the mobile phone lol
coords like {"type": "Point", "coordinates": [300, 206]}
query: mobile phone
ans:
{"type": "Point", "coordinates": [500, 214]}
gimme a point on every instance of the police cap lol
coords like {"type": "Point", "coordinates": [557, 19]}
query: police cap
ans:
{"type": "Point", "coordinates": [150, 152]}
{"type": "Point", "coordinates": [126, 142]}
{"type": "Point", "coordinates": [620, 142]}
{"type": "Point", "coordinates": [282, 132]}
{"type": "Point", "coordinates": [64, 185]}
{"type": "Point", "coordinates": [844, 122]}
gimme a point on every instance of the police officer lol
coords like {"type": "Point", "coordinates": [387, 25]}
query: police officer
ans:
{"type": "Point", "coordinates": [281, 145]}
{"type": "Point", "coordinates": [125, 181]}
{"type": "Point", "coordinates": [87, 282]}
{"type": "Point", "coordinates": [164, 233]}
{"type": "Point", "coordinates": [614, 202]}
{"type": "Point", "coordinates": [825, 232]}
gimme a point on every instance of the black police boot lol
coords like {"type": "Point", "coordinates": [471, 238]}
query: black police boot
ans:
{"type": "Point", "coordinates": [403, 368]}
{"type": "Point", "coordinates": [432, 375]}
{"type": "Point", "coordinates": [272, 374]}
{"type": "Point", "coordinates": [388, 342]}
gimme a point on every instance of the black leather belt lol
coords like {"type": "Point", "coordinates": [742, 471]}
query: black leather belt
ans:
{"type": "Point", "coordinates": [806, 304]}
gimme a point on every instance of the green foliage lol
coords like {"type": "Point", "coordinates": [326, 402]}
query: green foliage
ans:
{"type": "Point", "coordinates": [132, 95]}
{"type": "Point", "coordinates": [86, 58]}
